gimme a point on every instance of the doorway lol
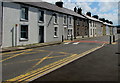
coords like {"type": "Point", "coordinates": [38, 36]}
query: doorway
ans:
{"type": "Point", "coordinates": [41, 34]}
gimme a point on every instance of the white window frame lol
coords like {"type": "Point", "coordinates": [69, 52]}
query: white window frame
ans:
{"type": "Point", "coordinates": [70, 20]}
{"type": "Point", "coordinates": [40, 11]}
{"type": "Point", "coordinates": [22, 32]}
{"type": "Point", "coordinates": [56, 19]}
{"type": "Point", "coordinates": [55, 32]}
{"type": "Point", "coordinates": [64, 20]}
{"type": "Point", "coordinates": [91, 30]}
{"type": "Point", "coordinates": [69, 32]}
{"type": "Point", "coordinates": [21, 13]}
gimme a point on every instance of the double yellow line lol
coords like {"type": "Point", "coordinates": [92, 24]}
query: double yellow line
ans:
{"type": "Point", "coordinates": [51, 67]}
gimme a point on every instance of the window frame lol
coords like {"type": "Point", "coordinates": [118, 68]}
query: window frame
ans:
{"type": "Point", "coordinates": [56, 19]}
{"type": "Point", "coordinates": [69, 32]}
{"type": "Point", "coordinates": [25, 13]}
{"type": "Point", "coordinates": [23, 39]}
{"type": "Point", "coordinates": [55, 32]}
{"type": "Point", "coordinates": [64, 20]}
{"type": "Point", "coordinates": [91, 31]}
{"type": "Point", "coordinates": [70, 20]}
{"type": "Point", "coordinates": [43, 15]}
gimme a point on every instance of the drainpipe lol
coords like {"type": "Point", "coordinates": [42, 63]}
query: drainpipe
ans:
{"type": "Point", "coordinates": [74, 27]}
{"type": "Point", "coordinates": [1, 31]}
{"type": "Point", "coordinates": [67, 25]}
{"type": "Point", "coordinates": [16, 25]}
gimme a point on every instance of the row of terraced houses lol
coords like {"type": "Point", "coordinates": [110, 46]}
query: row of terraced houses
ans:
{"type": "Point", "coordinates": [25, 23]}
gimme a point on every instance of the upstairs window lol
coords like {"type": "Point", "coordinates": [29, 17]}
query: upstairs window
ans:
{"type": "Point", "coordinates": [41, 16]}
{"type": "Point", "coordinates": [70, 20]}
{"type": "Point", "coordinates": [65, 19]}
{"type": "Point", "coordinates": [56, 19]}
{"type": "Point", "coordinates": [24, 13]}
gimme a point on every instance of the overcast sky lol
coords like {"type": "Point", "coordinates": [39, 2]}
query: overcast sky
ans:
{"type": "Point", "coordinates": [107, 9]}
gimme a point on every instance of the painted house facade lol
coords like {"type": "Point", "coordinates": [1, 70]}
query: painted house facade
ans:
{"type": "Point", "coordinates": [30, 22]}
{"type": "Point", "coordinates": [23, 23]}
{"type": "Point", "coordinates": [81, 28]}
{"type": "Point", "coordinates": [92, 26]}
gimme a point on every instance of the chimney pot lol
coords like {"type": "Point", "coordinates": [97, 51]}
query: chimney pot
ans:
{"type": "Point", "coordinates": [59, 4]}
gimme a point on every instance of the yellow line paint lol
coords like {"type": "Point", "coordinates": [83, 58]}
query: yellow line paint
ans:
{"type": "Point", "coordinates": [43, 70]}
{"type": "Point", "coordinates": [24, 53]}
{"type": "Point", "coordinates": [34, 73]}
{"type": "Point", "coordinates": [15, 55]}
{"type": "Point", "coordinates": [12, 52]}
{"type": "Point", "coordinates": [42, 59]}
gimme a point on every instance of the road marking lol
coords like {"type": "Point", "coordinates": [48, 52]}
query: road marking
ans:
{"type": "Point", "coordinates": [24, 53]}
{"type": "Point", "coordinates": [67, 42]}
{"type": "Point", "coordinates": [34, 60]}
{"type": "Point", "coordinates": [42, 59]}
{"type": "Point", "coordinates": [12, 52]}
{"type": "Point", "coordinates": [76, 43]}
{"type": "Point", "coordinates": [48, 68]}
{"type": "Point", "coordinates": [15, 55]}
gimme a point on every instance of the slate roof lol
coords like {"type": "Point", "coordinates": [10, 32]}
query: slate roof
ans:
{"type": "Point", "coordinates": [53, 7]}
{"type": "Point", "coordinates": [92, 18]}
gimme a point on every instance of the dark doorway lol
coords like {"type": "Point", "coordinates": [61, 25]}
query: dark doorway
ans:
{"type": "Point", "coordinates": [41, 34]}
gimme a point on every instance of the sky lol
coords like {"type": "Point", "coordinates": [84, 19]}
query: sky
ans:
{"type": "Point", "coordinates": [107, 9]}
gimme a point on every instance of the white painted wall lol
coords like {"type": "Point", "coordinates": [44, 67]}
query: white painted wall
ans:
{"type": "Point", "coordinates": [11, 18]}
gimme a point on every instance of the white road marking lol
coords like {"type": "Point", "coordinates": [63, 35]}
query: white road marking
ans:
{"type": "Point", "coordinates": [76, 43]}
{"type": "Point", "coordinates": [67, 43]}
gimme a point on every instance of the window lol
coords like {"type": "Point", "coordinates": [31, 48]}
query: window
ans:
{"type": "Point", "coordinates": [24, 32]}
{"type": "Point", "coordinates": [56, 32]}
{"type": "Point", "coordinates": [90, 23]}
{"type": "Point", "coordinates": [93, 23]}
{"type": "Point", "coordinates": [69, 32]}
{"type": "Point", "coordinates": [91, 31]}
{"type": "Point", "coordinates": [70, 20]}
{"type": "Point", "coordinates": [56, 19]}
{"type": "Point", "coordinates": [65, 19]}
{"type": "Point", "coordinates": [41, 15]}
{"type": "Point", "coordinates": [95, 31]}
{"type": "Point", "coordinates": [24, 13]}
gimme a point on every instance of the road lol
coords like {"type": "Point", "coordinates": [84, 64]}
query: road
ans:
{"type": "Point", "coordinates": [101, 65]}
{"type": "Point", "coordinates": [20, 64]}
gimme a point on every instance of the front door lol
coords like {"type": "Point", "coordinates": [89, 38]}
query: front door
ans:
{"type": "Point", "coordinates": [41, 34]}
{"type": "Point", "coordinates": [93, 32]}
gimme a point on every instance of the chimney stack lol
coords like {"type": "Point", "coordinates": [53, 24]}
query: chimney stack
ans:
{"type": "Point", "coordinates": [79, 11]}
{"type": "Point", "coordinates": [59, 4]}
{"type": "Point", "coordinates": [75, 9]}
{"type": "Point", "coordinates": [88, 13]}
{"type": "Point", "coordinates": [95, 16]}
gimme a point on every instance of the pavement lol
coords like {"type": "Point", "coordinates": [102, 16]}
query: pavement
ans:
{"type": "Point", "coordinates": [29, 64]}
{"type": "Point", "coordinates": [9, 49]}
{"type": "Point", "coordinates": [17, 48]}
{"type": "Point", "coordinates": [100, 66]}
